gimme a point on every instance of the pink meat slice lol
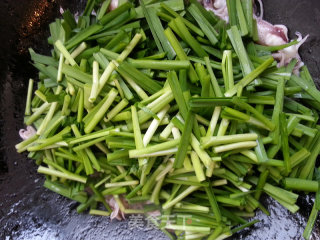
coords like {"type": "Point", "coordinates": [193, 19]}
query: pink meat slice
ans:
{"type": "Point", "coordinates": [218, 7]}
{"type": "Point", "coordinates": [27, 133]}
{"type": "Point", "coordinates": [119, 215]}
{"type": "Point", "coordinates": [269, 34]}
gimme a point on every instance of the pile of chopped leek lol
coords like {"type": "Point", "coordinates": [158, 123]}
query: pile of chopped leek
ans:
{"type": "Point", "coordinates": [162, 103]}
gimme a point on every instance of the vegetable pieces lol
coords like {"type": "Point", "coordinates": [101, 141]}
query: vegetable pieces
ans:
{"type": "Point", "coordinates": [163, 104]}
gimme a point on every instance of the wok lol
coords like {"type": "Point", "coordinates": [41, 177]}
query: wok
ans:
{"type": "Point", "coordinates": [28, 210]}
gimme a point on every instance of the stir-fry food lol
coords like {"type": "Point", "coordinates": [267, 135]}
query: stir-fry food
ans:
{"type": "Point", "coordinates": [164, 108]}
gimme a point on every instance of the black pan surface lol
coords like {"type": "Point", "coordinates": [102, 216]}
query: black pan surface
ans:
{"type": "Point", "coordinates": [28, 211]}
